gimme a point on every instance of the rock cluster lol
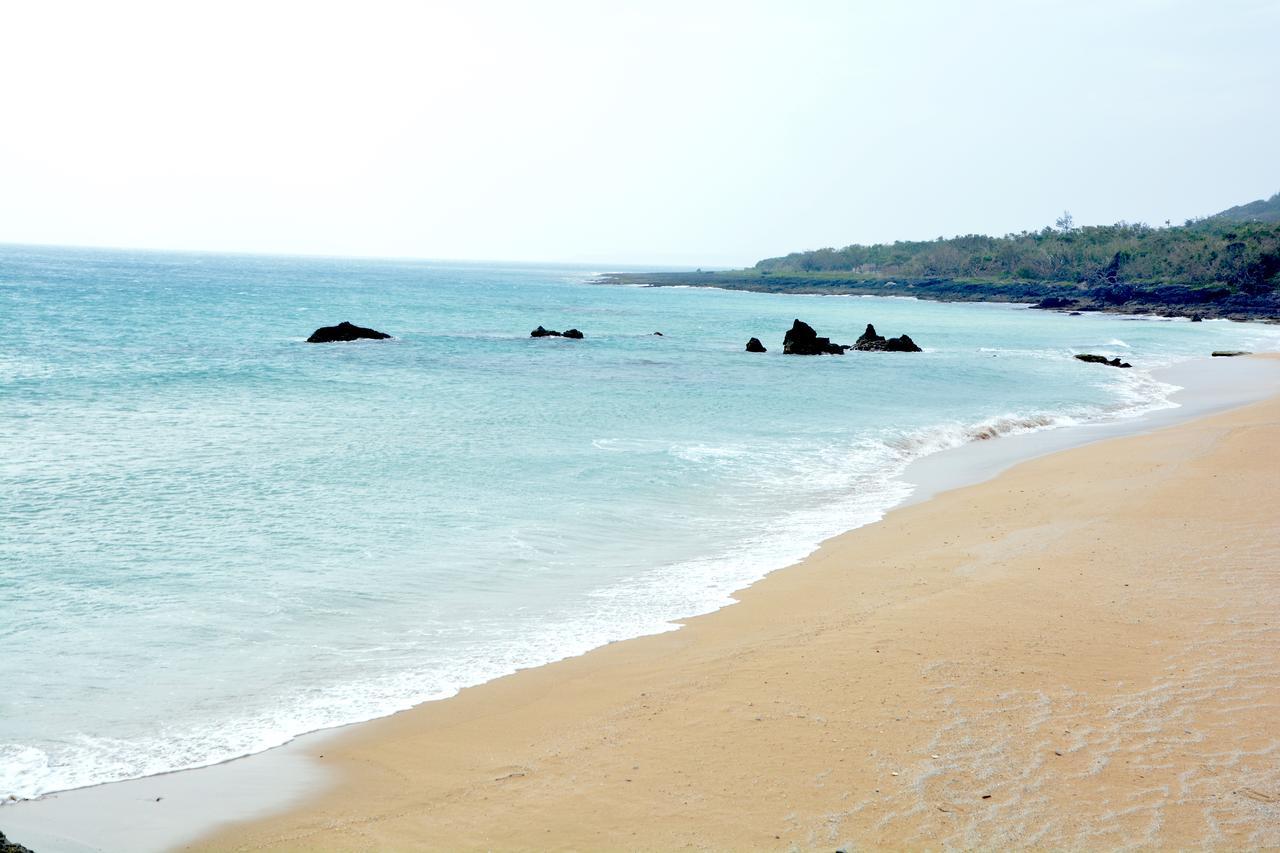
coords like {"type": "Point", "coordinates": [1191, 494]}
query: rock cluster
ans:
{"type": "Point", "coordinates": [344, 331]}
{"type": "Point", "coordinates": [1102, 359]}
{"type": "Point", "coordinates": [871, 342]}
{"type": "Point", "coordinates": [551, 333]}
{"type": "Point", "coordinates": [803, 340]}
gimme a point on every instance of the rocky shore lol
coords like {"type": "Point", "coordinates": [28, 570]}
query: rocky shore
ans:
{"type": "Point", "coordinates": [1113, 297]}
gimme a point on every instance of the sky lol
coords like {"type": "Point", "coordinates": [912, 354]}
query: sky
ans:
{"type": "Point", "coordinates": [665, 133]}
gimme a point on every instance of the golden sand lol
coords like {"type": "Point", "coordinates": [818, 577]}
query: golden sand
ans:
{"type": "Point", "coordinates": [1082, 652]}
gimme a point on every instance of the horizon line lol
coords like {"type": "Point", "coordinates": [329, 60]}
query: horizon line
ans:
{"type": "Point", "coordinates": [354, 257]}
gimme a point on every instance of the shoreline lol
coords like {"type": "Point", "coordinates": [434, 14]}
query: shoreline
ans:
{"type": "Point", "coordinates": [281, 778]}
{"type": "Point", "coordinates": [941, 289]}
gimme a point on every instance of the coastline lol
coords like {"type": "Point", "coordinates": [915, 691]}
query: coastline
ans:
{"type": "Point", "coordinates": [1059, 297]}
{"type": "Point", "coordinates": [292, 776]}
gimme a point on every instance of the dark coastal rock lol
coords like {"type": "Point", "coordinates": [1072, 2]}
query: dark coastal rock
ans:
{"type": "Point", "coordinates": [754, 345]}
{"type": "Point", "coordinates": [344, 331]}
{"type": "Point", "coordinates": [1241, 297]}
{"type": "Point", "coordinates": [1075, 314]}
{"type": "Point", "coordinates": [659, 334]}
{"type": "Point", "coordinates": [1102, 359]}
{"type": "Point", "coordinates": [902, 343]}
{"type": "Point", "coordinates": [1055, 303]}
{"type": "Point", "coordinates": [7, 846]}
{"type": "Point", "coordinates": [1111, 272]}
{"type": "Point", "coordinates": [551, 333]}
{"type": "Point", "coordinates": [1111, 294]}
{"type": "Point", "coordinates": [801, 339]}
{"type": "Point", "coordinates": [1197, 318]}
{"type": "Point", "coordinates": [1229, 353]}
{"type": "Point", "coordinates": [870, 341]}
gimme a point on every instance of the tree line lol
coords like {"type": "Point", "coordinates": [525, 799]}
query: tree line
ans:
{"type": "Point", "coordinates": [1237, 254]}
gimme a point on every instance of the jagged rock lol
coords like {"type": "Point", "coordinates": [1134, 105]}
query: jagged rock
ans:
{"type": "Point", "coordinates": [902, 343]}
{"type": "Point", "coordinates": [1111, 272]}
{"type": "Point", "coordinates": [1197, 318]}
{"type": "Point", "coordinates": [801, 339]}
{"type": "Point", "coordinates": [1102, 359]}
{"type": "Point", "coordinates": [1055, 303]}
{"type": "Point", "coordinates": [7, 846]}
{"type": "Point", "coordinates": [869, 341]}
{"type": "Point", "coordinates": [551, 333]}
{"type": "Point", "coordinates": [344, 331]}
{"type": "Point", "coordinates": [754, 345]}
{"type": "Point", "coordinates": [1230, 353]}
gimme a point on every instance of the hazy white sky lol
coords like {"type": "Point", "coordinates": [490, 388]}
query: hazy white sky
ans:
{"type": "Point", "coordinates": [650, 132]}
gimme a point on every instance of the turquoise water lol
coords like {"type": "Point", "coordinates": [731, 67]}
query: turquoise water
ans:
{"type": "Point", "coordinates": [214, 536]}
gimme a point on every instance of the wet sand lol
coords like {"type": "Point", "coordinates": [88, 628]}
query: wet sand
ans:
{"type": "Point", "coordinates": [1084, 651]}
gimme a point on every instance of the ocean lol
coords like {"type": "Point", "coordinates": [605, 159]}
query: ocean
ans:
{"type": "Point", "coordinates": [215, 537]}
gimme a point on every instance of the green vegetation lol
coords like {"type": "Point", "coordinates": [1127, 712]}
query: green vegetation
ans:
{"type": "Point", "coordinates": [1221, 250]}
{"type": "Point", "coordinates": [1223, 265]}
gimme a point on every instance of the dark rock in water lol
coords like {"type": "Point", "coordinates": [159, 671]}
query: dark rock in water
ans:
{"type": "Point", "coordinates": [1229, 353]}
{"type": "Point", "coordinates": [1055, 303]}
{"type": "Point", "coordinates": [1075, 314]}
{"type": "Point", "coordinates": [7, 846]}
{"type": "Point", "coordinates": [872, 342]}
{"type": "Point", "coordinates": [754, 345]}
{"type": "Point", "coordinates": [659, 334]}
{"type": "Point", "coordinates": [902, 343]}
{"type": "Point", "coordinates": [344, 331]}
{"type": "Point", "coordinates": [1102, 359]}
{"type": "Point", "coordinates": [551, 333]}
{"type": "Point", "coordinates": [868, 340]}
{"type": "Point", "coordinates": [1197, 318]}
{"type": "Point", "coordinates": [801, 339]}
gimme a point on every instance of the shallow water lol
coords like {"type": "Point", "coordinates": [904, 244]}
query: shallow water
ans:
{"type": "Point", "coordinates": [214, 536]}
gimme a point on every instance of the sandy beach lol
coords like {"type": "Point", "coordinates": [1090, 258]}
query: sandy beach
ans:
{"type": "Point", "coordinates": [1080, 652]}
